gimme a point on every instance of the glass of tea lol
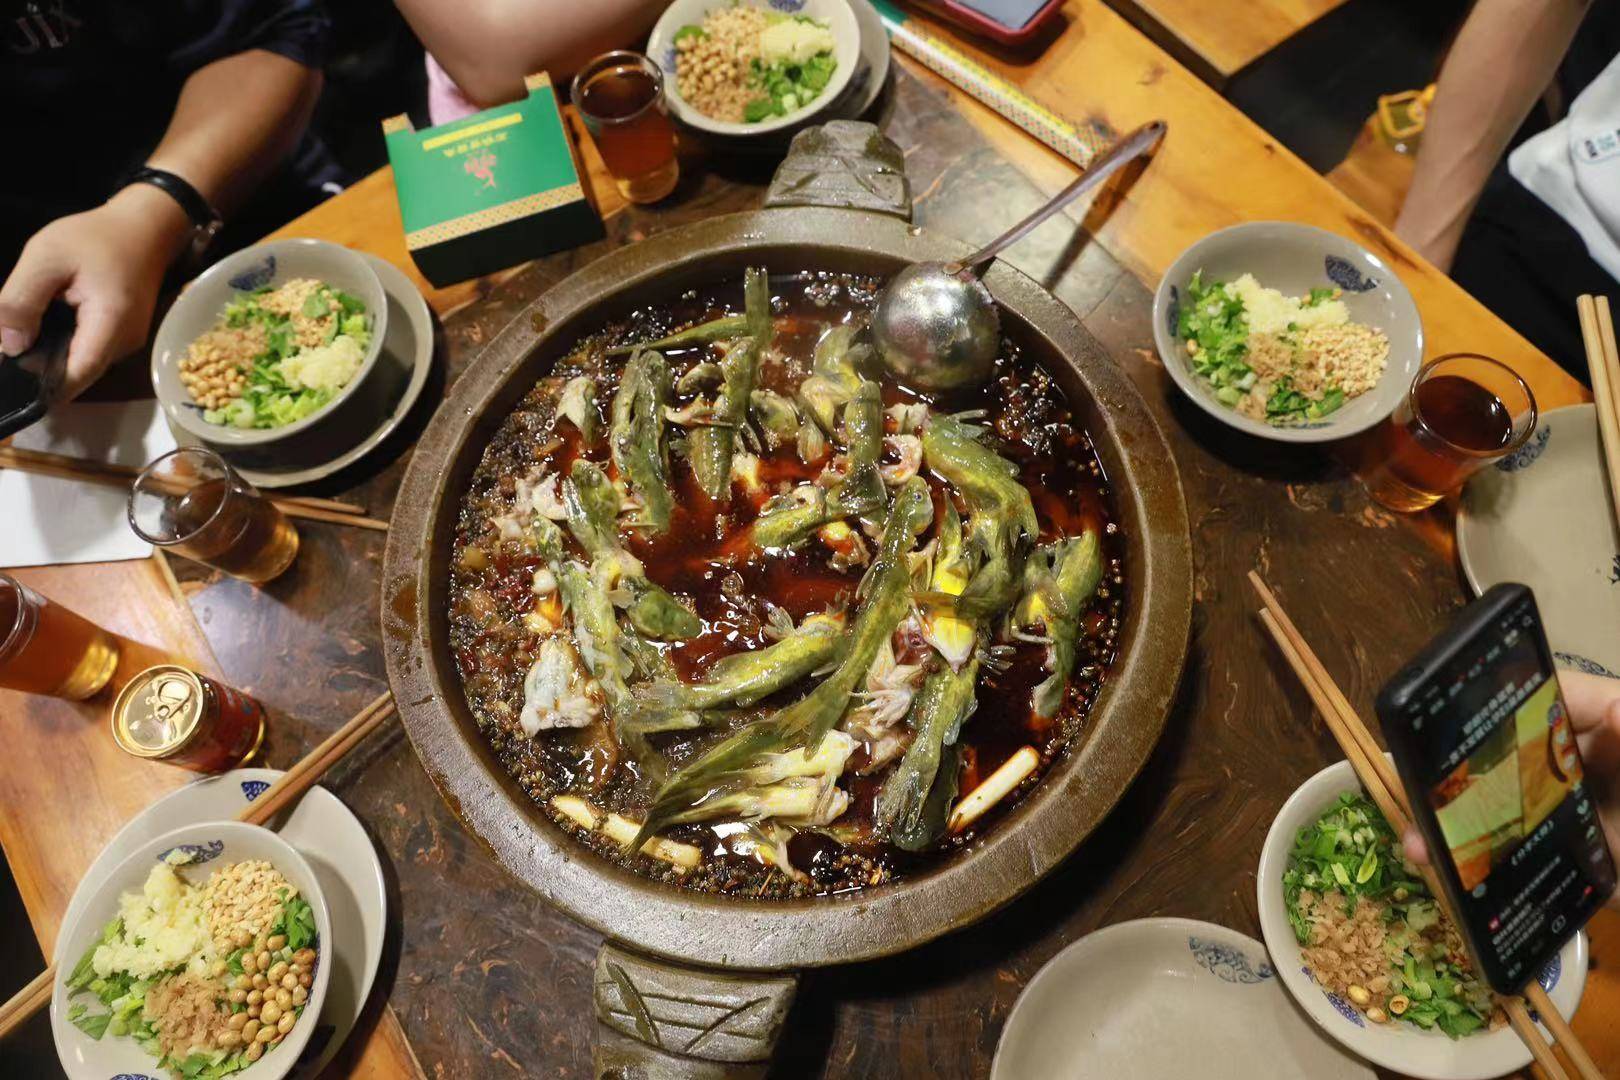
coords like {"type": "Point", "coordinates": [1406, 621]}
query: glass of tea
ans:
{"type": "Point", "coordinates": [620, 96]}
{"type": "Point", "coordinates": [46, 648]}
{"type": "Point", "coordinates": [193, 503]}
{"type": "Point", "coordinates": [1463, 412]}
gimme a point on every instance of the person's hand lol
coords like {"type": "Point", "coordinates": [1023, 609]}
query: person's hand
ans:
{"type": "Point", "coordinates": [1594, 713]}
{"type": "Point", "coordinates": [109, 264]}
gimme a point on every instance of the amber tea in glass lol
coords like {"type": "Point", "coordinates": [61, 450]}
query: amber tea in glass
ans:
{"type": "Point", "coordinates": [46, 648]}
{"type": "Point", "coordinates": [191, 502]}
{"type": "Point", "coordinates": [1462, 413]}
{"type": "Point", "coordinates": [620, 96]}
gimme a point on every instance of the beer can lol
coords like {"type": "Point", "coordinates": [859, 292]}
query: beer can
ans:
{"type": "Point", "coordinates": [181, 717]}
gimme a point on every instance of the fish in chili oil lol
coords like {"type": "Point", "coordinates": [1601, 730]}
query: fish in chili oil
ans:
{"type": "Point", "coordinates": [747, 616]}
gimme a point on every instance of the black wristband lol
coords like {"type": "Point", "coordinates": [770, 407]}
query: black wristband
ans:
{"type": "Point", "coordinates": [197, 208]}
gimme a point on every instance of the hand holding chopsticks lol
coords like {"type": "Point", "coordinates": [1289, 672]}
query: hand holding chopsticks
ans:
{"type": "Point", "coordinates": [287, 788]}
{"type": "Point", "coordinates": [1383, 786]}
{"type": "Point", "coordinates": [1603, 359]}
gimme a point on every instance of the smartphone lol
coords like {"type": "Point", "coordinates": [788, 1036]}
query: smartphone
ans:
{"type": "Point", "coordinates": [1011, 22]}
{"type": "Point", "coordinates": [1484, 745]}
{"type": "Point", "coordinates": [31, 382]}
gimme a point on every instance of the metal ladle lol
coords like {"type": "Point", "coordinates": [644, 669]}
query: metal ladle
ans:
{"type": "Point", "coordinates": [936, 326]}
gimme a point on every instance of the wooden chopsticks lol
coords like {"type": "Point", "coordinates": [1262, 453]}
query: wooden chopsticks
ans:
{"type": "Point", "coordinates": [1603, 360]}
{"type": "Point", "coordinates": [107, 474]}
{"type": "Point", "coordinates": [288, 787]}
{"type": "Point", "coordinates": [1383, 786]}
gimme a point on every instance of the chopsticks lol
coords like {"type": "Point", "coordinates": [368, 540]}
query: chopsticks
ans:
{"type": "Point", "coordinates": [288, 787]}
{"type": "Point", "coordinates": [1603, 360]}
{"type": "Point", "coordinates": [1383, 786]}
{"type": "Point", "coordinates": [108, 474]}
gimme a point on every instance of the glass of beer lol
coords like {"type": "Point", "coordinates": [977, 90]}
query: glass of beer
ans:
{"type": "Point", "coordinates": [1463, 412]}
{"type": "Point", "coordinates": [193, 503]}
{"type": "Point", "coordinates": [46, 648]}
{"type": "Point", "coordinates": [620, 96]}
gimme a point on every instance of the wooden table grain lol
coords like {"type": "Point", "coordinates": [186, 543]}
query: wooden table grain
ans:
{"type": "Point", "coordinates": [485, 978]}
{"type": "Point", "coordinates": [1218, 40]}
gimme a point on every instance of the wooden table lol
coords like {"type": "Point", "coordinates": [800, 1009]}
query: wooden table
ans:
{"type": "Point", "coordinates": [483, 976]}
{"type": "Point", "coordinates": [1219, 40]}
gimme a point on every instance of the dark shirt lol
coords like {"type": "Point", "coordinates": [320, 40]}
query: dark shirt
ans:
{"type": "Point", "coordinates": [87, 88]}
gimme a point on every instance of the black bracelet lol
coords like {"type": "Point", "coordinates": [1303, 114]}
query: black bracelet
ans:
{"type": "Point", "coordinates": [197, 208]}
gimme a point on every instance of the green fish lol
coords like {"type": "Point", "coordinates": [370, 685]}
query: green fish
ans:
{"type": "Point", "coordinates": [636, 438]}
{"type": "Point", "coordinates": [1059, 581]}
{"type": "Point", "coordinates": [592, 504]}
{"type": "Point", "coordinates": [709, 447]}
{"type": "Point", "coordinates": [916, 799]}
{"type": "Point", "coordinates": [1001, 517]}
{"type": "Point", "coordinates": [801, 726]}
{"type": "Point", "coordinates": [705, 333]}
{"type": "Point", "coordinates": [742, 678]}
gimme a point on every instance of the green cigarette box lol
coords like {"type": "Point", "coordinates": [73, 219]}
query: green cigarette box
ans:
{"type": "Point", "coordinates": [491, 190]}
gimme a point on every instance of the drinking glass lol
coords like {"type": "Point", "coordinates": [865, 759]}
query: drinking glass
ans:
{"type": "Point", "coordinates": [620, 96]}
{"type": "Point", "coordinates": [1463, 412]}
{"type": "Point", "coordinates": [193, 503]}
{"type": "Point", "coordinates": [46, 648]}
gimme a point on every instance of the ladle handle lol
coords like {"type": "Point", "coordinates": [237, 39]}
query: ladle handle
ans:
{"type": "Point", "coordinates": [1128, 149]}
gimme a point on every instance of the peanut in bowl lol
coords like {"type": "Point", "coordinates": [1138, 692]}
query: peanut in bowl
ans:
{"type": "Point", "coordinates": [1371, 1011]}
{"type": "Point", "coordinates": [200, 955]}
{"type": "Point", "coordinates": [743, 68]}
{"type": "Point", "coordinates": [272, 353]}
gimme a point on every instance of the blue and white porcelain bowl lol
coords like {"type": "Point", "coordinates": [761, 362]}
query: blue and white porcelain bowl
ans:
{"type": "Point", "coordinates": [212, 845]}
{"type": "Point", "coordinates": [1398, 1046]}
{"type": "Point", "coordinates": [837, 16]}
{"type": "Point", "coordinates": [1152, 999]}
{"type": "Point", "coordinates": [1293, 259]}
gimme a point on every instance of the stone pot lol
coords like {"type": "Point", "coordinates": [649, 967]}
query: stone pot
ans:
{"type": "Point", "coordinates": [694, 984]}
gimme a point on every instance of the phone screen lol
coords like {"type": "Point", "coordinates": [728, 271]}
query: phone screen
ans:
{"type": "Point", "coordinates": [1493, 758]}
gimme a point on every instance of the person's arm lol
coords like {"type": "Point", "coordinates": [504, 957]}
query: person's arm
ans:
{"type": "Point", "coordinates": [1503, 59]}
{"type": "Point", "coordinates": [488, 46]}
{"type": "Point", "coordinates": [233, 122]}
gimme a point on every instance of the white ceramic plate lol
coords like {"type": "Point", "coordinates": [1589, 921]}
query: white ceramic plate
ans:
{"type": "Point", "coordinates": [1159, 998]}
{"type": "Point", "coordinates": [329, 837]}
{"type": "Point", "coordinates": [1541, 516]}
{"type": "Point", "coordinates": [1398, 1046]}
{"type": "Point", "coordinates": [96, 903]}
{"type": "Point", "coordinates": [835, 14]}
{"type": "Point", "coordinates": [1293, 258]}
{"type": "Point", "coordinates": [407, 356]}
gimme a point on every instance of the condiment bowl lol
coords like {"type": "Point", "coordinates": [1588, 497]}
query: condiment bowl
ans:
{"type": "Point", "coordinates": [211, 845]}
{"type": "Point", "coordinates": [836, 14]}
{"type": "Point", "coordinates": [354, 408]}
{"type": "Point", "coordinates": [1293, 259]}
{"type": "Point", "coordinates": [1395, 1045]}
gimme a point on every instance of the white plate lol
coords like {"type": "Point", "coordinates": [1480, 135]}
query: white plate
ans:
{"type": "Point", "coordinates": [1541, 516]}
{"type": "Point", "coordinates": [328, 835]}
{"type": "Point", "coordinates": [1402, 1047]}
{"type": "Point", "coordinates": [1159, 998]}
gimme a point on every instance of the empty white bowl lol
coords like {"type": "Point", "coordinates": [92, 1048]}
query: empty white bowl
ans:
{"type": "Point", "coordinates": [213, 844]}
{"type": "Point", "coordinates": [1395, 1045]}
